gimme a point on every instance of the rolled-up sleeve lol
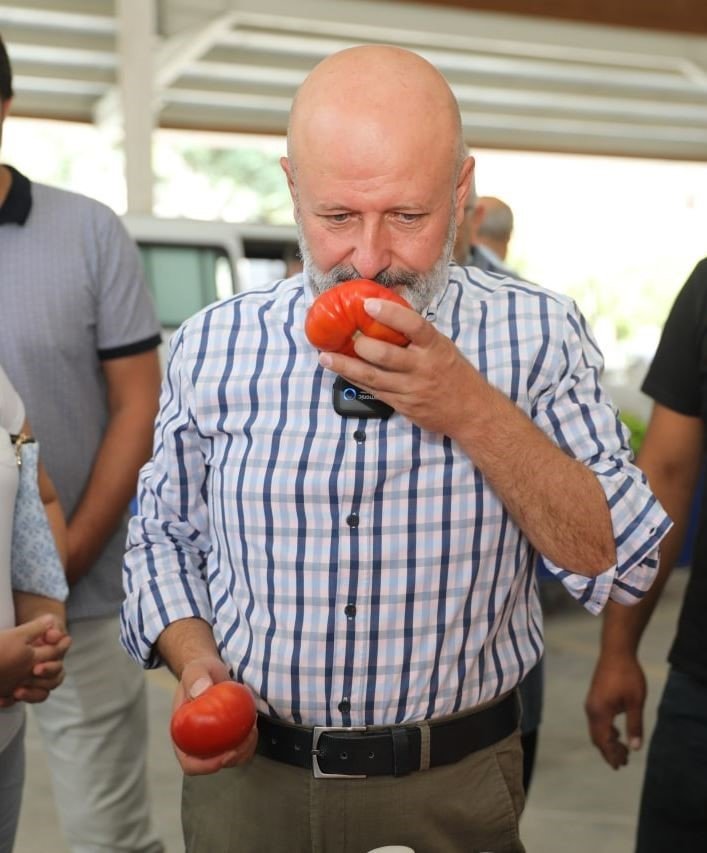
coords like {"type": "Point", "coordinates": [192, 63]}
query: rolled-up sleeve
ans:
{"type": "Point", "coordinates": [580, 418]}
{"type": "Point", "coordinates": [168, 542]}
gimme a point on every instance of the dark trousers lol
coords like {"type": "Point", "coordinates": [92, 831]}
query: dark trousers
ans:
{"type": "Point", "coordinates": [531, 690]}
{"type": "Point", "coordinates": [673, 813]}
{"type": "Point", "coordinates": [529, 745]}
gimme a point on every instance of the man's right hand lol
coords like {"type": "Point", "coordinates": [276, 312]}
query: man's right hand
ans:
{"type": "Point", "coordinates": [618, 687]}
{"type": "Point", "coordinates": [198, 675]}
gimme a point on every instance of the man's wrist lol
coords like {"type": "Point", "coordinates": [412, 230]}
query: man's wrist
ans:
{"type": "Point", "coordinates": [621, 632]}
{"type": "Point", "coordinates": [186, 641]}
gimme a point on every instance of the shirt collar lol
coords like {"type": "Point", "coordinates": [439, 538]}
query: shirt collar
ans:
{"type": "Point", "coordinates": [18, 202]}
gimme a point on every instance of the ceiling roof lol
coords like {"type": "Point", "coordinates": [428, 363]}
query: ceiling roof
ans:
{"type": "Point", "coordinates": [522, 82]}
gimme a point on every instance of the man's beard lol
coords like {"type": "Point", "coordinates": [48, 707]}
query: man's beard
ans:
{"type": "Point", "coordinates": [419, 289]}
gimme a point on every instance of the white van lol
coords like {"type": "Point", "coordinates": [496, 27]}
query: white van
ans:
{"type": "Point", "coordinates": [191, 263]}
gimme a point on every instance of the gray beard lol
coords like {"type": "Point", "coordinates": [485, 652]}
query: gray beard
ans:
{"type": "Point", "coordinates": [419, 289]}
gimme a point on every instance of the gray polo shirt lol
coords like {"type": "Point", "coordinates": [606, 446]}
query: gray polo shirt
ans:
{"type": "Point", "coordinates": [72, 294]}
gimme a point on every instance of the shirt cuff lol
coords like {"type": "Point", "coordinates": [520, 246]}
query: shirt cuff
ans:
{"type": "Point", "coordinates": [637, 557]}
{"type": "Point", "coordinates": [151, 608]}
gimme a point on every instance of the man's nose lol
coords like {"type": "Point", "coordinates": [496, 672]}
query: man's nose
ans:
{"type": "Point", "coordinates": [372, 253]}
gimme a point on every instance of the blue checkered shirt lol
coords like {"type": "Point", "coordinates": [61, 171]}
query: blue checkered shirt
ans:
{"type": "Point", "coordinates": [362, 572]}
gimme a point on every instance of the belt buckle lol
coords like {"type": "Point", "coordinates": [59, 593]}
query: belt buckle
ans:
{"type": "Point", "coordinates": [318, 731]}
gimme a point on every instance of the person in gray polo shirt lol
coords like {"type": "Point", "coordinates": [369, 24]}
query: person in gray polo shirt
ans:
{"type": "Point", "coordinates": [78, 339]}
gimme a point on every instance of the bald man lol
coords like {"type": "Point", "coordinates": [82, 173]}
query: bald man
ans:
{"type": "Point", "coordinates": [494, 228]}
{"type": "Point", "coordinates": [484, 234]}
{"type": "Point", "coordinates": [366, 572]}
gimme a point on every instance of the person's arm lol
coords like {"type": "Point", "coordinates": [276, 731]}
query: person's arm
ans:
{"type": "Point", "coordinates": [166, 615]}
{"type": "Point", "coordinates": [189, 649]}
{"type": "Point", "coordinates": [133, 389]}
{"type": "Point", "coordinates": [555, 499]}
{"type": "Point", "coordinates": [47, 670]}
{"type": "Point", "coordinates": [671, 457]}
{"type": "Point", "coordinates": [55, 514]}
{"type": "Point", "coordinates": [168, 539]}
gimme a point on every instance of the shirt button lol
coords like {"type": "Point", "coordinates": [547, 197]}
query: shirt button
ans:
{"type": "Point", "coordinates": [350, 610]}
{"type": "Point", "coordinates": [359, 435]}
{"type": "Point", "coordinates": [344, 706]}
{"type": "Point", "coordinates": [352, 520]}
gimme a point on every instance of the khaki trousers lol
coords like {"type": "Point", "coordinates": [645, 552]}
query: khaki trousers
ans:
{"type": "Point", "coordinates": [472, 806]}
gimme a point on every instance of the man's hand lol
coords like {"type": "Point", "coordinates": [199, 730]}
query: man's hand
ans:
{"type": "Point", "coordinates": [419, 381]}
{"type": "Point", "coordinates": [197, 676]}
{"type": "Point", "coordinates": [618, 686]}
{"type": "Point", "coordinates": [671, 457]}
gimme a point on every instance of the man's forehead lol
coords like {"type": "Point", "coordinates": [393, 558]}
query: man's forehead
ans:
{"type": "Point", "coordinates": [372, 162]}
{"type": "Point", "coordinates": [376, 192]}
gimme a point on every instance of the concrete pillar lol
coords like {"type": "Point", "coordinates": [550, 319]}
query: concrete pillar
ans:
{"type": "Point", "coordinates": [135, 51]}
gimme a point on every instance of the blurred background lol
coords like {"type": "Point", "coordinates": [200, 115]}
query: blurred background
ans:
{"type": "Point", "coordinates": [588, 117]}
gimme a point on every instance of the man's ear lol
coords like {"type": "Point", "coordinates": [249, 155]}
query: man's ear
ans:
{"type": "Point", "coordinates": [463, 189]}
{"type": "Point", "coordinates": [288, 170]}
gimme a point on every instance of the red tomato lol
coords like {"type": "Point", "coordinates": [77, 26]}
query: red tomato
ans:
{"type": "Point", "coordinates": [217, 720]}
{"type": "Point", "coordinates": [337, 317]}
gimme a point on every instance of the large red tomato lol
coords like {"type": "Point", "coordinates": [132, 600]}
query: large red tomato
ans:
{"type": "Point", "coordinates": [218, 719]}
{"type": "Point", "coordinates": [337, 317]}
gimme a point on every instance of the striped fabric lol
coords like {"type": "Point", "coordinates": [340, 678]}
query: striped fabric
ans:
{"type": "Point", "coordinates": [362, 572]}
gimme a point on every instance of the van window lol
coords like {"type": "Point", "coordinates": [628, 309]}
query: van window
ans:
{"type": "Point", "coordinates": [265, 259]}
{"type": "Point", "coordinates": [183, 279]}
{"type": "Point", "coordinates": [259, 272]}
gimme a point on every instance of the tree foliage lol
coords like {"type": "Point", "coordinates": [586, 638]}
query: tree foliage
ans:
{"type": "Point", "coordinates": [246, 170]}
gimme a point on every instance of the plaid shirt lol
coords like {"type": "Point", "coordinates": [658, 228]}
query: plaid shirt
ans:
{"type": "Point", "coordinates": [364, 572]}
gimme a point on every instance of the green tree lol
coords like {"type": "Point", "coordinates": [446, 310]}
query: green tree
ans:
{"type": "Point", "coordinates": [248, 170]}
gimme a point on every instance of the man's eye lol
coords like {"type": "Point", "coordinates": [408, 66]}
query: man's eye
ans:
{"type": "Point", "coordinates": [408, 218]}
{"type": "Point", "coordinates": [339, 218]}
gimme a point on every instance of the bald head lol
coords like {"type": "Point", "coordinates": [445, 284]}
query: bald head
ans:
{"type": "Point", "coordinates": [376, 98]}
{"type": "Point", "coordinates": [498, 218]}
{"type": "Point", "coordinates": [495, 227]}
{"type": "Point", "coordinates": [377, 171]}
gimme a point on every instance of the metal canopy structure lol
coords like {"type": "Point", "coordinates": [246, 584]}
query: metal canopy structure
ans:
{"type": "Point", "coordinates": [233, 65]}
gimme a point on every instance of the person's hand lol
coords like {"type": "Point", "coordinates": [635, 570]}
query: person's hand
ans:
{"type": "Point", "coordinates": [48, 669]}
{"type": "Point", "coordinates": [197, 676]}
{"type": "Point", "coordinates": [30, 659]}
{"type": "Point", "coordinates": [618, 687]}
{"type": "Point", "coordinates": [429, 381]}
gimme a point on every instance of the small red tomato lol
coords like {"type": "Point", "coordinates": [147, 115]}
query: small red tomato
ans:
{"type": "Point", "coordinates": [337, 317]}
{"type": "Point", "coordinates": [218, 719]}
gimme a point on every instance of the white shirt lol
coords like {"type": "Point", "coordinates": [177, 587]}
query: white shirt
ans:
{"type": "Point", "coordinates": [365, 572]}
{"type": "Point", "coordinates": [12, 415]}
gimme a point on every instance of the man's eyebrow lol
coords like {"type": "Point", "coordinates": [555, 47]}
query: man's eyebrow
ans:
{"type": "Point", "coordinates": [331, 207]}
{"type": "Point", "coordinates": [325, 206]}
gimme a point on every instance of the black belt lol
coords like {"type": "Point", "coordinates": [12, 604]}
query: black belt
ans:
{"type": "Point", "coordinates": [335, 752]}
